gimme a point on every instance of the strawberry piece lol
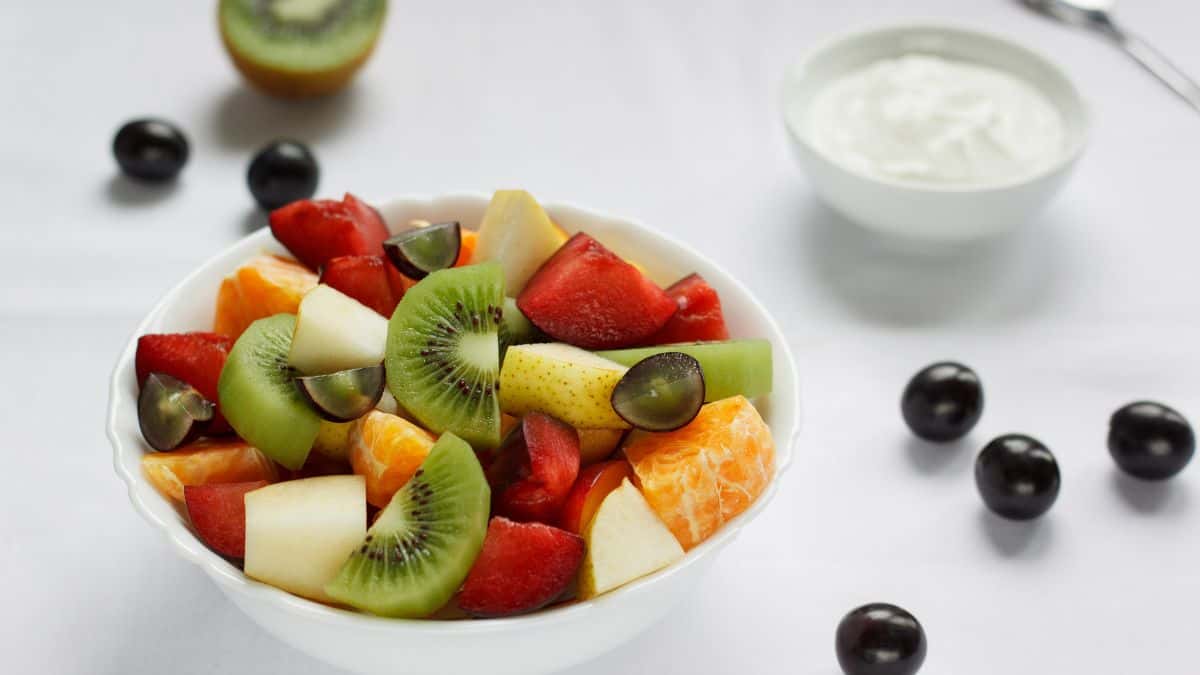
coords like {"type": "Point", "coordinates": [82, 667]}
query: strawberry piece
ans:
{"type": "Point", "coordinates": [364, 278]}
{"type": "Point", "coordinates": [588, 296]}
{"type": "Point", "coordinates": [318, 230]}
{"type": "Point", "coordinates": [195, 358]}
{"type": "Point", "coordinates": [218, 512]}
{"type": "Point", "coordinates": [522, 567]}
{"type": "Point", "coordinates": [699, 317]}
{"type": "Point", "coordinates": [536, 466]}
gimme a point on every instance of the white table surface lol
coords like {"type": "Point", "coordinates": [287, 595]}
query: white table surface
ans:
{"type": "Point", "coordinates": [670, 115]}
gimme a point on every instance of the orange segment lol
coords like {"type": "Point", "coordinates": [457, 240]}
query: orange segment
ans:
{"type": "Point", "coordinates": [204, 463]}
{"type": "Point", "coordinates": [266, 285]}
{"type": "Point", "coordinates": [387, 450]}
{"type": "Point", "coordinates": [699, 477]}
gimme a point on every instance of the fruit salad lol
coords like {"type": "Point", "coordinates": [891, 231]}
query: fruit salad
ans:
{"type": "Point", "coordinates": [451, 421]}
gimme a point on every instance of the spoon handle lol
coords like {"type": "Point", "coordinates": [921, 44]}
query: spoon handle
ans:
{"type": "Point", "coordinates": [1153, 60]}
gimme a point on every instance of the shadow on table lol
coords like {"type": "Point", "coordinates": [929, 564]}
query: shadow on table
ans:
{"type": "Point", "coordinates": [244, 119]}
{"type": "Point", "coordinates": [1026, 540]}
{"type": "Point", "coordinates": [939, 459]}
{"type": "Point", "coordinates": [1149, 497]}
{"type": "Point", "coordinates": [900, 284]}
{"type": "Point", "coordinates": [124, 191]}
{"type": "Point", "coordinates": [253, 220]}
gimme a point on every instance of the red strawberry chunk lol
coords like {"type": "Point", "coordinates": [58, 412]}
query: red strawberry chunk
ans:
{"type": "Point", "coordinates": [195, 358]}
{"type": "Point", "coordinates": [588, 296]}
{"type": "Point", "coordinates": [318, 230]}
{"type": "Point", "coordinates": [364, 278]}
{"type": "Point", "coordinates": [535, 469]}
{"type": "Point", "coordinates": [699, 317]}
{"type": "Point", "coordinates": [218, 512]}
{"type": "Point", "coordinates": [522, 567]}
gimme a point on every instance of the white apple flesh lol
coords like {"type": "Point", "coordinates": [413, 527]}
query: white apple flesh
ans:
{"type": "Point", "coordinates": [336, 332]}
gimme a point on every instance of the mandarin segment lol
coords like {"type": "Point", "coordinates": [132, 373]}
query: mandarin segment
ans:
{"type": "Point", "coordinates": [387, 450]}
{"type": "Point", "coordinates": [206, 462]}
{"type": "Point", "coordinates": [264, 286]}
{"type": "Point", "coordinates": [701, 476]}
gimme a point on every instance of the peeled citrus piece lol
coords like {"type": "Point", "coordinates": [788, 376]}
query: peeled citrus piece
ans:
{"type": "Point", "coordinates": [701, 476]}
{"type": "Point", "coordinates": [264, 286]}
{"type": "Point", "coordinates": [205, 463]}
{"type": "Point", "coordinates": [387, 450]}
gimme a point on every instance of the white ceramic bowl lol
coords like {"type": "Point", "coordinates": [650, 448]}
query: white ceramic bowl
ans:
{"type": "Point", "coordinates": [528, 645]}
{"type": "Point", "coordinates": [914, 211]}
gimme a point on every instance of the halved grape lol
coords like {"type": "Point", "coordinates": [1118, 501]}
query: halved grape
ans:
{"type": "Point", "coordinates": [346, 395]}
{"type": "Point", "coordinates": [422, 250]}
{"type": "Point", "coordinates": [660, 393]}
{"type": "Point", "coordinates": [171, 412]}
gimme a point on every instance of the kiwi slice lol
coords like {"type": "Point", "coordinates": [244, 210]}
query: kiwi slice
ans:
{"type": "Point", "coordinates": [300, 48]}
{"type": "Point", "coordinates": [443, 352]}
{"type": "Point", "coordinates": [423, 544]}
{"type": "Point", "coordinates": [259, 398]}
{"type": "Point", "coordinates": [731, 367]}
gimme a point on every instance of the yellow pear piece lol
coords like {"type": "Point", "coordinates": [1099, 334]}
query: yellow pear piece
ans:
{"type": "Point", "coordinates": [517, 233]}
{"type": "Point", "coordinates": [560, 380]}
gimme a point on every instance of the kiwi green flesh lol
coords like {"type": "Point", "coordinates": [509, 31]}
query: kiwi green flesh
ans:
{"type": "Point", "coordinates": [420, 549]}
{"type": "Point", "coordinates": [301, 35]}
{"type": "Point", "coordinates": [443, 352]}
{"type": "Point", "coordinates": [731, 367]}
{"type": "Point", "coordinates": [258, 397]}
{"type": "Point", "coordinates": [520, 330]}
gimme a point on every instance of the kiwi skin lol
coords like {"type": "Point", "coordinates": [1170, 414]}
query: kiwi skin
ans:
{"type": "Point", "coordinates": [290, 84]}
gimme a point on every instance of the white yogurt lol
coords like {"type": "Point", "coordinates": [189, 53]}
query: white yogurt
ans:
{"type": "Point", "coordinates": [925, 119]}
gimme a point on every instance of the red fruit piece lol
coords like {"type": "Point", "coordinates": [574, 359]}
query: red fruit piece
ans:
{"type": "Point", "coordinates": [218, 512]}
{"type": "Point", "coordinates": [365, 278]}
{"type": "Point", "coordinates": [522, 567]}
{"type": "Point", "coordinates": [587, 296]}
{"type": "Point", "coordinates": [699, 317]}
{"type": "Point", "coordinates": [195, 358]}
{"type": "Point", "coordinates": [318, 230]}
{"type": "Point", "coordinates": [535, 469]}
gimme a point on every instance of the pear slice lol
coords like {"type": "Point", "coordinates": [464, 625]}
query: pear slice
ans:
{"type": "Point", "coordinates": [569, 383]}
{"type": "Point", "coordinates": [517, 233]}
{"type": "Point", "coordinates": [626, 541]}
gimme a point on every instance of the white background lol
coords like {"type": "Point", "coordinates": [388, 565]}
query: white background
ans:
{"type": "Point", "coordinates": [668, 114]}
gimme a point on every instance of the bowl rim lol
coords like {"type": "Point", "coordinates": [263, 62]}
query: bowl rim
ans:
{"type": "Point", "coordinates": [1084, 120]}
{"type": "Point", "coordinates": [232, 579]}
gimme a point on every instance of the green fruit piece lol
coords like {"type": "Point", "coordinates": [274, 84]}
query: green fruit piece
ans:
{"type": "Point", "coordinates": [299, 48]}
{"type": "Point", "coordinates": [424, 543]}
{"type": "Point", "coordinates": [521, 330]}
{"type": "Point", "coordinates": [259, 398]}
{"type": "Point", "coordinates": [731, 367]}
{"type": "Point", "coordinates": [443, 352]}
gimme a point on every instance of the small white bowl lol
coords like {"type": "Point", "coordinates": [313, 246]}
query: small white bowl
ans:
{"type": "Point", "coordinates": [915, 211]}
{"type": "Point", "coordinates": [538, 643]}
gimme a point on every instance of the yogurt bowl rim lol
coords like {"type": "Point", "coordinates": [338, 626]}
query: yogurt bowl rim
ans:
{"type": "Point", "coordinates": [796, 77]}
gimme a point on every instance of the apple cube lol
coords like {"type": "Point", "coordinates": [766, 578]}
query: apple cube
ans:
{"type": "Point", "coordinates": [626, 541]}
{"type": "Point", "coordinates": [336, 332]}
{"type": "Point", "coordinates": [300, 533]}
{"type": "Point", "coordinates": [517, 233]}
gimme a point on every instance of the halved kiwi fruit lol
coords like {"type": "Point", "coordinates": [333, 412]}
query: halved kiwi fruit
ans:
{"type": "Point", "coordinates": [443, 352]}
{"type": "Point", "coordinates": [423, 544]}
{"type": "Point", "coordinates": [300, 48]}
{"type": "Point", "coordinates": [259, 398]}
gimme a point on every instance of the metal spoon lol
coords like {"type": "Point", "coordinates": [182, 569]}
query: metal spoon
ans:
{"type": "Point", "coordinates": [1097, 15]}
